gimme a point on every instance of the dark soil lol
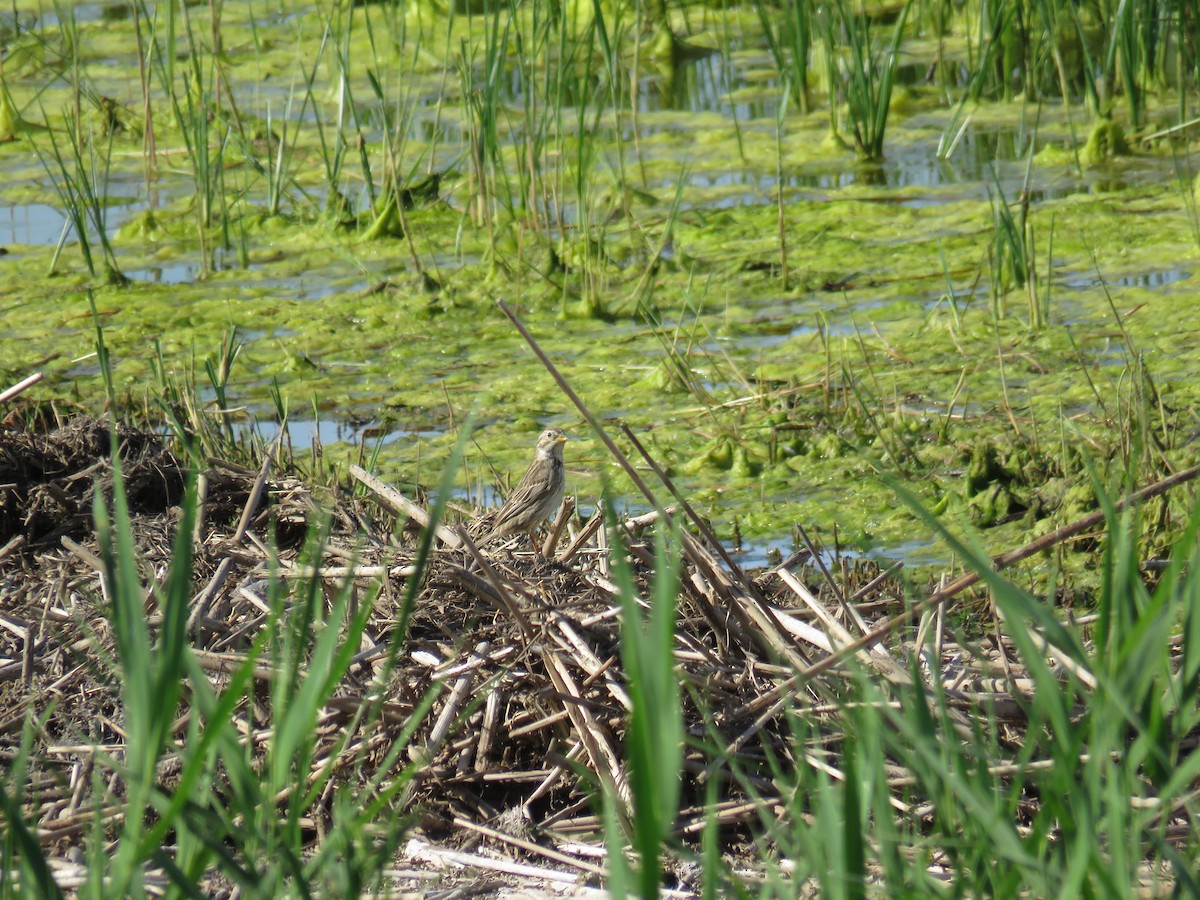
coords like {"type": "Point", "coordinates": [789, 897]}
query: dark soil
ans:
{"type": "Point", "coordinates": [49, 481]}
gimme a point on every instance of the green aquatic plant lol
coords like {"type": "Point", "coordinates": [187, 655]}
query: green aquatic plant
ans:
{"type": "Point", "coordinates": [866, 74]}
{"type": "Point", "coordinates": [1010, 253]}
{"type": "Point", "coordinates": [195, 95]}
{"type": "Point", "coordinates": [81, 176]}
{"type": "Point", "coordinates": [789, 33]}
{"type": "Point", "coordinates": [1105, 141]}
{"type": "Point", "coordinates": [12, 123]}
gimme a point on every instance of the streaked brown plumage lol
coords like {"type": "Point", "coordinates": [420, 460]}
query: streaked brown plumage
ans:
{"type": "Point", "coordinates": [538, 493]}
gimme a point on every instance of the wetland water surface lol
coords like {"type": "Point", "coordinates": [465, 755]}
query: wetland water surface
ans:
{"type": "Point", "coordinates": [780, 321]}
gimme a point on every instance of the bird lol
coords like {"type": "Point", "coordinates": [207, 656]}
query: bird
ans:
{"type": "Point", "coordinates": [538, 493]}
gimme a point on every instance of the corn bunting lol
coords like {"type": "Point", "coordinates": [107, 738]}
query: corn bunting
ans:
{"type": "Point", "coordinates": [538, 493]}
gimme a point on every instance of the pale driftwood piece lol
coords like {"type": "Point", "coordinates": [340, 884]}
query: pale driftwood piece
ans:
{"type": "Point", "coordinates": [805, 632]}
{"type": "Point", "coordinates": [395, 501]}
{"type": "Point", "coordinates": [605, 761]}
{"type": "Point", "coordinates": [605, 615]}
{"type": "Point", "coordinates": [585, 534]}
{"type": "Point", "coordinates": [83, 750]}
{"type": "Point", "coordinates": [20, 387]}
{"type": "Point", "coordinates": [538, 724]}
{"type": "Point", "coordinates": [528, 846]}
{"type": "Point", "coordinates": [577, 848]}
{"type": "Point", "coordinates": [473, 663]}
{"type": "Point", "coordinates": [637, 523]}
{"type": "Point", "coordinates": [425, 852]}
{"type": "Point", "coordinates": [336, 573]}
{"type": "Point", "coordinates": [550, 544]}
{"type": "Point", "coordinates": [201, 509]}
{"type": "Point", "coordinates": [506, 777]}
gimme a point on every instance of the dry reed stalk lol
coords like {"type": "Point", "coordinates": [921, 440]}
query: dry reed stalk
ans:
{"type": "Point", "coordinates": [392, 499]}
{"type": "Point", "coordinates": [20, 387]}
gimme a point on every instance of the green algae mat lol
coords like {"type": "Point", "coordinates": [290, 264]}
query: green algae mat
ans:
{"type": "Point", "coordinates": [795, 249]}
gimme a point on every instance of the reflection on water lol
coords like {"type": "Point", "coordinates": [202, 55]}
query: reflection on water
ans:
{"type": "Point", "coordinates": [180, 273]}
{"type": "Point", "coordinates": [763, 554]}
{"type": "Point", "coordinates": [334, 432]}
{"type": "Point", "coordinates": [34, 224]}
{"type": "Point", "coordinates": [1159, 279]}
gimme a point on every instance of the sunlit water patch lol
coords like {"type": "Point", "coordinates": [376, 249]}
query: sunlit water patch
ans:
{"type": "Point", "coordinates": [1158, 279]}
{"type": "Point", "coordinates": [33, 224]}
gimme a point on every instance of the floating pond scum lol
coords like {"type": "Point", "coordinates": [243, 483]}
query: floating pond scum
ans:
{"type": "Point", "coordinates": [649, 175]}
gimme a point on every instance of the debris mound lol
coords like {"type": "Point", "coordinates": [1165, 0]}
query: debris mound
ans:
{"type": "Point", "coordinates": [496, 670]}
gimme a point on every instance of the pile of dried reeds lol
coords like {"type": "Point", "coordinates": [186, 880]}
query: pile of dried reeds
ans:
{"type": "Point", "coordinates": [522, 651]}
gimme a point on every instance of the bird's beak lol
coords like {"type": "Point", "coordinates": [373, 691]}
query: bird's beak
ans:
{"type": "Point", "coordinates": [561, 439]}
